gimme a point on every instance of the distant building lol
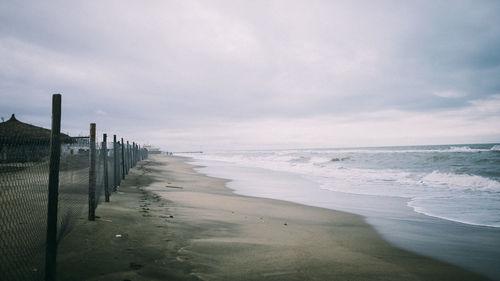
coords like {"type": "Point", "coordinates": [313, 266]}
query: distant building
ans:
{"type": "Point", "coordinates": [152, 150]}
{"type": "Point", "coordinates": [21, 142]}
{"type": "Point", "coordinates": [80, 145]}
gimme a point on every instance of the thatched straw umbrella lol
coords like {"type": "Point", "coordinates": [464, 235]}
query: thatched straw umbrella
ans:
{"type": "Point", "coordinates": [21, 142]}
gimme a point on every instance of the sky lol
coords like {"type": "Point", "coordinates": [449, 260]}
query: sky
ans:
{"type": "Point", "coordinates": [210, 75]}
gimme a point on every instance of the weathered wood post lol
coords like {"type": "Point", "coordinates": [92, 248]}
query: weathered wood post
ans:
{"type": "Point", "coordinates": [123, 160]}
{"type": "Point", "coordinates": [139, 152]}
{"type": "Point", "coordinates": [132, 164]}
{"type": "Point", "coordinates": [92, 173]}
{"type": "Point", "coordinates": [105, 162]}
{"type": "Point", "coordinates": [55, 156]}
{"type": "Point", "coordinates": [133, 153]}
{"type": "Point", "coordinates": [115, 165]}
{"type": "Point", "coordinates": [128, 157]}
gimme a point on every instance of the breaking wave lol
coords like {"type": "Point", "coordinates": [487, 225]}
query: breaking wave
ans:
{"type": "Point", "coordinates": [440, 181]}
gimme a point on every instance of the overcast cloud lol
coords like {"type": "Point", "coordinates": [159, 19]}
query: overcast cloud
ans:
{"type": "Point", "coordinates": [257, 74]}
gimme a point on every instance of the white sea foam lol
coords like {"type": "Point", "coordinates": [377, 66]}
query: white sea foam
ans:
{"type": "Point", "coordinates": [461, 182]}
{"type": "Point", "coordinates": [478, 218]}
{"type": "Point", "coordinates": [434, 150]}
{"type": "Point", "coordinates": [464, 149]}
{"type": "Point", "coordinates": [431, 192]}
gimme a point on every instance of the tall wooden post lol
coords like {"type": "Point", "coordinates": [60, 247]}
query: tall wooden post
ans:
{"type": "Point", "coordinates": [55, 155]}
{"type": "Point", "coordinates": [92, 173]}
{"type": "Point", "coordinates": [134, 155]}
{"type": "Point", "coordinates": [105, 162]}
{"type": "Point", "coordinates": [131, 155]}
{"type": "Point", "coordinates": [123, 160]}
{"type": "Point", "coordinates": [128, 157]}
{"type": "Point", "coordinates": [115, 165]}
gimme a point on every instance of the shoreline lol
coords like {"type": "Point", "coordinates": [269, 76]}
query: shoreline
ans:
{"type": "Point", "coordinates": [418, 210]}
{"type": "Point", "coordinates": [408, 201]}
{"type": "Point", "coordinates": [392, 218]}
{"type": "Point", "coordinates": [178, 224]}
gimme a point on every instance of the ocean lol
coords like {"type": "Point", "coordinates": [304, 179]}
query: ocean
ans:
{"type": "Point", "coordinates": [441, 201]}
{"type": "Point", "coordinates": [454, 182]}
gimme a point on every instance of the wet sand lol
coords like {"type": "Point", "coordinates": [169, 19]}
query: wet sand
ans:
{"type": "Point", "coordinates": [176, 224]}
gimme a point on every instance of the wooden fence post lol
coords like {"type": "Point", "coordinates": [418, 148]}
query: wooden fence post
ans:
{"type": "Point", "coordinates": [128, 157]}
{"type": "Point", "coordinates": [134, 155]}
{"type": "Point", "coordinates": [92, 173]}
{"type": "Point", "coordinates": [105, 162]}
{"type": "Point", "coordinates": [55, 156]}
{"type": "Point", "coordinates": [123, 161]}
{"type": "Point", "coordinates": [139, 152]}
{"type": "Point", "coordinates": [115, 165]}
{"type": "Point", "coordinates": [131, 155]}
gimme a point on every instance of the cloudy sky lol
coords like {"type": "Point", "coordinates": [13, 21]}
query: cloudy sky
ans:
{"type": "Point", "coordinates": [189, 75]}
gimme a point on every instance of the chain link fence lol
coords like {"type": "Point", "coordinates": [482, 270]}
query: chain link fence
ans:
{"type": "Point", "coordinates": [24, 179]}
{"type": "Point", "coordinates": [23, 208]}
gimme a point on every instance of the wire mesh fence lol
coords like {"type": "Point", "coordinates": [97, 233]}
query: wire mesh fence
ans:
{"type": "Point", "coordinates": [99, 189]}
{"type": "Point", "coordinates": [23, 203]}
{"type": "Point", "coordinates": [108, 169]}
{"type": "Point", "coordinates": [24, 179]}
{"type": "Point", "coordinates": [73, 185]}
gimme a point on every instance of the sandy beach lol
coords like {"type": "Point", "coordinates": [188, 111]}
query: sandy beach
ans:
{"type": "Point", "coordinates": [168, 222]}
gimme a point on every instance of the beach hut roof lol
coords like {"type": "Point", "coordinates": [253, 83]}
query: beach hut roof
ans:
{"type": "Point", "coordinates": [14, 131]}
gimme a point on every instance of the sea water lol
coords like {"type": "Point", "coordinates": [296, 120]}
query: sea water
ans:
{"type": "Point", "coordinates": [459, 183]}
{"type": "Point", "coordinates": [441, 201]}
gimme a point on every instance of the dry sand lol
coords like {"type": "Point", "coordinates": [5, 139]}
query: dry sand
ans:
{"type": "Point", "coordinates": [177, 224]}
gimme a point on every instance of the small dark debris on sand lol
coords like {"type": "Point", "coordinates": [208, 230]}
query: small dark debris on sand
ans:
{"type": "Point", "coordinates": [173, 186]}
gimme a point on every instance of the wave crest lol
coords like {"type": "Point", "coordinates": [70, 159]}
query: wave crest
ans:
{"type": "Point", "coordinates": [461, 182]}
{"type": "Point", "coordinates": [462, 149]}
